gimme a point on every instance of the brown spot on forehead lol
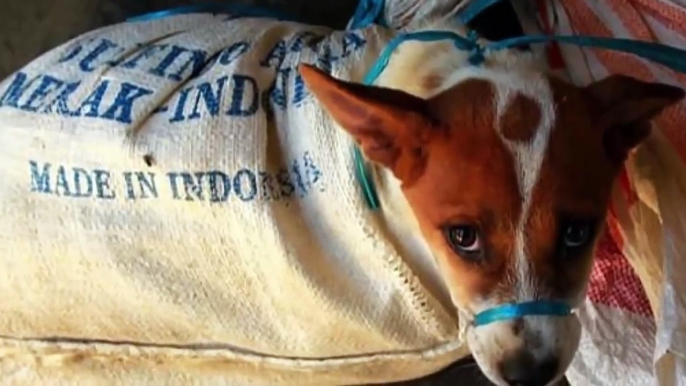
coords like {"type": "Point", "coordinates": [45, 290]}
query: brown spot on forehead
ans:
{"type": "Point", "coordinates": [469, 179]}
{"type": "Point", "coordinates": [575, 182]}
{"type": "Point", "coordinates": [521, 118]}
{"type": "Point", "coordinates": [431, 82]}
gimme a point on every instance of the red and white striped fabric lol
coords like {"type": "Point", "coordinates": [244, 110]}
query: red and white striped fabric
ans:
{"type": "Point", "coordinates": [635, 316]}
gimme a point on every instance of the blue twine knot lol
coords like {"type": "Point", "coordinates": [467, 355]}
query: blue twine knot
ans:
{"type": "Point", "coordinates": [476, 50]}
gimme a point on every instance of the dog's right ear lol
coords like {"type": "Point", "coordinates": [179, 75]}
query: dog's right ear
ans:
{"type": "Point", "coordinates": [390, 126]}
{"type": "Point", "coordinates": [624, 107]}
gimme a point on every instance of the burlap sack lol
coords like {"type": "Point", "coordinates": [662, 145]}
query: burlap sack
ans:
{"type": "Point", "coordinates": [177, 209]}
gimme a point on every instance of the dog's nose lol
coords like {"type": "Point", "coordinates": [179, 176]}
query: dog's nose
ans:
{"type": "Point", "coordinates": [522, 369]}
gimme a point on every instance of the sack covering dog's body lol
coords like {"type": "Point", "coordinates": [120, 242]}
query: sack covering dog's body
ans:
{"type": "Point", "coordinates": [172, 189]}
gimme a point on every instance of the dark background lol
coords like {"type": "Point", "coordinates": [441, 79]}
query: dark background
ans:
{"type": "Point", "coordinates": [31, 27]}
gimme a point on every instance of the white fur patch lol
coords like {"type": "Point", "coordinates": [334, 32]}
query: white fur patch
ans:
{"type": "Point", "coordinates": [528, 158]}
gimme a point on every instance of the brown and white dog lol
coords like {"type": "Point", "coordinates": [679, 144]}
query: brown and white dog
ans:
{"type": "Point", "coordinates": [507, 173]}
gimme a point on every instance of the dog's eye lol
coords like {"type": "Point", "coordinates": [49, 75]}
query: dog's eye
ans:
{"type": "Point", "coordinates": [576, 234]}
{"type": "Point", "coordinates": [463, 239]}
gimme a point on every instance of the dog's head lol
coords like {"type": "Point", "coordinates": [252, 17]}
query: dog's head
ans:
{"type": "Point", "coordinates": [510, 185]}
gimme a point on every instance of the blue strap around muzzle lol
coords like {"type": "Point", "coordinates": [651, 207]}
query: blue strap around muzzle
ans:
{"type": "Point", "coordinates": [518, 310]}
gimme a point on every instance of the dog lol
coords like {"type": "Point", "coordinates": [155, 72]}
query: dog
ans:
{"type": "Point", "coordinates": [506, 172]}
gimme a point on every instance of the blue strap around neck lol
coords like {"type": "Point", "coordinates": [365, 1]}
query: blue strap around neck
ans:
{"type": "Point", "coordinates": [518, 310]}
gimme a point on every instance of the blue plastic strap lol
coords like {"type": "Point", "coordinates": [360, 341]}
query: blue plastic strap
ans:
{"type": "Point", "coordinates": [671, 57]}
{"type": "Point", "coordinates": [243, 10]}
{"type": "Point", "coordinates": [365, 180]}
{"type": "Point", "coordinates": [368, 12]}
{"type": "Point", "coordinates": [518, 310]}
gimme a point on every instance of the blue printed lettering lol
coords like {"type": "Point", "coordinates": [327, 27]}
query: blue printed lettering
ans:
{"type": "Point", "coordinates": [300, 92]}
{"type": "Point", "coordinates": [168, 60]}
{"type": "Point", "coordinates": [102, 184]}
{"type": "Point", "coordinates": [326, 59]}
{"type": "Point", "coordinates": [174, 187]}
{"type": "Point", "coordinates": [220, 186]}
{"type": "Point", "coordinates": [74, 50]}
{"type": "Point", "coordinates": [79, 176]}
{"type": "Point", "coordinates": [277, 92]}
{"type": "Point", "coordinates": [47, 86]}
{"type": "Point", "coordinates": [93, 101]}
{"type": "Point", "coordinates": [192, 186]}
{"type": "Point", "coordinates": [267, 186]}
{"type": "Point", "coordinates": [312, 172]}
{"type": "Point", "coordinates": [211, 98]}
{"type": "Point", "coordinates": [352, 42]}
{"type": "Point", "coordinates": [215, 186]}
{"type": "Point", "coordinates": [128, 180]}
{"type": "Point", "coordinates": [146, 181]}
{"type": "Point", "coordinates": [283, 177]}
{"type": "Point", "coordinates": [69, 182]}
{"type": "Point", "coordinates": [40, 180]}
{"type": "Point", "coordinates": [301, 184]}
{"type": "Point", "coordinates": [196, 62]}
{"type": "Point", "coordinates": [59, 104]}
{"type": "Point", "coordinates": [275, 56]}
{"type": "Point", "coordinates": [304, 39]}
{"type": "Point", "coordinates": [87, 63]}
{"type": "Point", "coordinates": [62, 182]}
{"type": "Point", "coordinates": [233, 52]}
{"type": "Point", "coordinates": [239, 95]}
{"type": "Point", "coordinates": [146, 185]}
{"type": "Point", "coordinates": [122, 107]}
{"type": "Point", "coordinates": [40, 99]}
{"type": "Point", "coordinates": [180, 105]}
{"type": "Point", "coordinates": [16, 89]}
{"type": "Point", "coordinates": [243, 177]}
{"type": "Point", "coordinates": [244, 99]}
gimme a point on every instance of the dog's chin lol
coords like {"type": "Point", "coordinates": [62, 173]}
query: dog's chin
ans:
{"type": "Point", "coordinates": [542, 339]}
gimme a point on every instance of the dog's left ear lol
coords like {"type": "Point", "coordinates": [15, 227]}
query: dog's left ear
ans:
{"type": "Point", "coordinates": [390, 126]}
{"type": "Point", "coordinates": [624, 106]}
